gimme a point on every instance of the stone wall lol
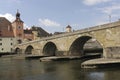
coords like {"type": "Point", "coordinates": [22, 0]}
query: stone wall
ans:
{"type": "Point", "coordinates": [113, 52]}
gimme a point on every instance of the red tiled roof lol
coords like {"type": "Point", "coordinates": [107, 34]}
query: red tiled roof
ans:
{"type": "Point", "coordinates": [41, 32]}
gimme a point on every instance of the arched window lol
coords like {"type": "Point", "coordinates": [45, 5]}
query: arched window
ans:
{"type": "Point", "coordinates": [19, 41]}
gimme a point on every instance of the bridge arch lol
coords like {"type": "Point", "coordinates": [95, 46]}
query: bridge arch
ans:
{"type": "Point", "coordinates": [50, 49]}
{"type": "Point", "coordinates": [29, 49]}
{"type": "Point", "coordinates": [77, 46]}
{"type": "Point", "coordinates": [17, 50]}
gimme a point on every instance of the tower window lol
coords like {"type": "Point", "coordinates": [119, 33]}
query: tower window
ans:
{"type": "Point", "coordinates": [19, 27]}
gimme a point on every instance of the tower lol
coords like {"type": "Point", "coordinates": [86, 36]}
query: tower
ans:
{"type": "Point", "coordinates": [18, 28]}
{"type": "Point", "coordinates": [68, 28]}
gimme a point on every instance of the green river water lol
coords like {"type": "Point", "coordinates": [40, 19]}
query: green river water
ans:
{"type": "Point", "coordinates": [11, 69]}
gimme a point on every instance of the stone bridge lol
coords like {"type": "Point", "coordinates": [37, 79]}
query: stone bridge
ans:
{"type": "Point", "coordinates": [71, 44]}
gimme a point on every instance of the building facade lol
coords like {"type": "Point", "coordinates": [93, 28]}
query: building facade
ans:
{"type": "Point", "coordinates": [7, 44]}
{"type": "Point", "coordinates": [28, 35]}
{"type": "Point", "coordinates": [7, 39]}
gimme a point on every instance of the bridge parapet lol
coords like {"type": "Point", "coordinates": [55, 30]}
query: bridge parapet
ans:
{"type": "Point", "coordinates": [95, 28]}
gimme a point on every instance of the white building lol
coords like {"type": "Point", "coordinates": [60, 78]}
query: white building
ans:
{"type": "Point", "coordinates": [7, 44]}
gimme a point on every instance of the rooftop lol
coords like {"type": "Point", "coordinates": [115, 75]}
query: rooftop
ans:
{"type": "Point", "coordinates": [5, 28]}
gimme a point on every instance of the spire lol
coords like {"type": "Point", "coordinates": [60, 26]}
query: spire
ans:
{"type": "Point", "coordinates": [68, 26]}
{"type": "Point", "coordinates": [17, 14]}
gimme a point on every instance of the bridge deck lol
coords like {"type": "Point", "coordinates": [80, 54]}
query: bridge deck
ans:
{"type": "Point", "coordinates": [101, 62]}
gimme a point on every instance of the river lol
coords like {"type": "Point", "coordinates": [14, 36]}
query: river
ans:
{"type": "Point", "coordinates": [11, 69]}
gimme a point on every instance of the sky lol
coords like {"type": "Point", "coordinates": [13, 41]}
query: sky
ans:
{"type": "Point", "coordinates": [55, 15]}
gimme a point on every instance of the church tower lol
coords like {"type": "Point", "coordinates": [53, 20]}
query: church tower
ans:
{"type": "Point", "coordinates": [68, 28]}
{"type": "Point", "coordinates": [18, 28]}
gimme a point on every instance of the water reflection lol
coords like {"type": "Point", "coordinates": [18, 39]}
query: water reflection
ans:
{"type": "Point", "coordinates": [68, 70]}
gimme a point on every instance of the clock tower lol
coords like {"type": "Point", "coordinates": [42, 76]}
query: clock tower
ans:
{"type": "Point", "coordinates": [18, 28]}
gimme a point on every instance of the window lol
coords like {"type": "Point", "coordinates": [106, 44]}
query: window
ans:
{"type": "Point", "coordinates": [11, 43]}
{"type": "Point", "coordinates": [19, 41]}
{"type": "Point", "coordinates": [11, 49]}
{"type": "Point", "coordinates": [2, 49]}
{"type": "Point", "coordinates": [19, 27]}
{"type": "Point", "coordinates": [0, 39]}
{"type": "Point", "coordinates": [8, 28]}
{"type": "Point", "coordinates": [0, 43]}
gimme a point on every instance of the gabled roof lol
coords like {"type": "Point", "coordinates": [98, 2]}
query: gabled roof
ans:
{"type": "Point", "coordinates": [68, 26]}
{"type": "Point", "coordinates": [41, 32]}
{"type": "Point", "coordinates": [6, 29]}
{"type": "Point", "coordinates": [27, 31]}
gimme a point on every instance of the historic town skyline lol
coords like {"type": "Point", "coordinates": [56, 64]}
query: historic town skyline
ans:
{"type": "Point", "coordinates": [56, 15]}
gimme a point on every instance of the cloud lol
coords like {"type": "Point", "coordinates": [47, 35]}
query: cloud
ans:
{"type": "Point", "coordinates": [94, 2]}
{"type": "Point", "coordinates": [48, 23]}
{"type": "Point", "coordinates": [110, 9]}
{"type": "Point", "coordinates": [74, 25]}
{"type": "Point", "coordinates": [26, 26]}
{"type": "Point", "coordinates": [9, 16]}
